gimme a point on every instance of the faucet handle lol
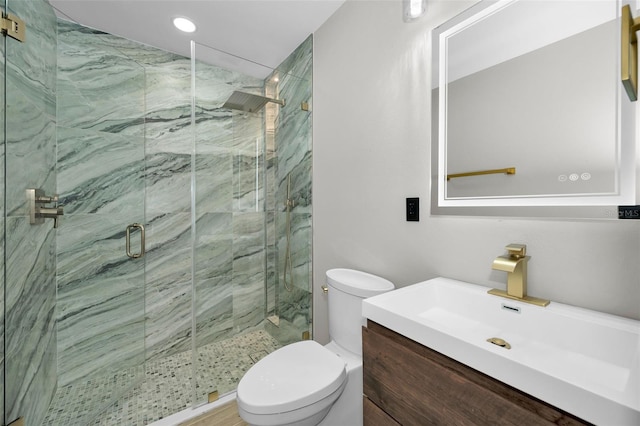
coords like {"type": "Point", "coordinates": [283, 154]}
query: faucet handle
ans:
{"type": "Point", "coordinates": [517, 251]}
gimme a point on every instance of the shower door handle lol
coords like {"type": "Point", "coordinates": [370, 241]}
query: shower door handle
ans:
{"type": "Point", "coordinates": [128, 240]}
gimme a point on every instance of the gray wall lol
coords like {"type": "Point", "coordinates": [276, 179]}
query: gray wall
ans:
{"type": "Point", "coordinates": [372, 76]}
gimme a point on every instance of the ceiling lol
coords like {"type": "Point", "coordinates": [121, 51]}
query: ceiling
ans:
{"type": "Point", "coordinates": [251, 36]}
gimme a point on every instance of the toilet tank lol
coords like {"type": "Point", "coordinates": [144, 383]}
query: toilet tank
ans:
{"type": "Point", "coordinates": [347, 289]}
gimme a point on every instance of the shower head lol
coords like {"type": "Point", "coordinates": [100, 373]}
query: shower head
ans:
{"type": "Point", "coordinates": [248, 102]}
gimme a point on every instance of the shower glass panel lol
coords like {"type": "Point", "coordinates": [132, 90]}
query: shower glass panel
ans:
{"type": "Point", "coordinates": [289, 153]}
{"type": "Point", "coordinates": [3, 5]}
{"type": "Point", "coordinates": [229, 268]}
{"type": "Point", "coordinates": [74, 311]}
{"type": "Point", "coordinates": [30, 152]}
{"type": "Point", "coordinates": [101, 169]}
{"type": "Point", "coordinates": [240, 190]}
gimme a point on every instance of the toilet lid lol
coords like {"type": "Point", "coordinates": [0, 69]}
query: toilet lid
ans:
{"type": "Point", "coordinates": [290, 378]}
{"type": "Point", "coordinates": [358, 283]}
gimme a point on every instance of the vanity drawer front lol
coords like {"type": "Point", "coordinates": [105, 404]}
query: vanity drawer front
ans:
{"type": "Point", "coordinates": [418, 386]}
{"type": "Point", "coordinates": [374, 416]}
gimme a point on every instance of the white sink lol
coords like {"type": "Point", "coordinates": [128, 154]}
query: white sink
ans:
{"type": "Point", "coordinates": [584, 362]}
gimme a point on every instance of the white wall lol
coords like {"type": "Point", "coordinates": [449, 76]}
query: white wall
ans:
{"type": "Point", "coordinates": [371, 125]}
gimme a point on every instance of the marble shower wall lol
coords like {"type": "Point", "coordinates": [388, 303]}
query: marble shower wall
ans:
{"type": "Point", "coordinates": [291, 154]}
{"type": "Point", "coordinates": [30, 288]}
{"type": "Point", "coordinates": [125, 145]}
{"type": "Point", "coordinates": [229, 246]}
{"type": "Point", "coordinates": [101, 172]}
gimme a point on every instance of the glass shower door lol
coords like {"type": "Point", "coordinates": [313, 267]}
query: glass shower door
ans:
{"type": "Point", "coordinates": [100, 305]}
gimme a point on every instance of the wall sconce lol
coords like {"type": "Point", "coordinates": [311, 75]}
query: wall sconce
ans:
{"type": "Point", "coordinates": [413, 9]}
{"type": "Point", "coordinates": [629, 52]}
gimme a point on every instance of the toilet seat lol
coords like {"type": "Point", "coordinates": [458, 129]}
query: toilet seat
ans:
{"type": "Point", "coordinates": [273, 384]}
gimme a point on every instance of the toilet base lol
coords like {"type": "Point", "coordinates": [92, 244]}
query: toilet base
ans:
{"type": "Point", "coordinates": [347, 410]}
{"type": "Point", "coordinates": [309, 421]}
{"type": "Point", "coordinates": [293, 418]}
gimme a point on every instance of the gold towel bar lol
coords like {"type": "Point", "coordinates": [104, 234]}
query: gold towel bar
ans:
{"type": "Point", "coordinates": [508, 171]}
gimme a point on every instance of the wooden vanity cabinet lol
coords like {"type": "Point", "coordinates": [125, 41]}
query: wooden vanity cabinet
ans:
{"type": "Point", "coordinates": [406, 383]}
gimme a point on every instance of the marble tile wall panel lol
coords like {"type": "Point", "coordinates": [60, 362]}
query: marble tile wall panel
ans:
{"type": "Point", "coordinates": [31, 66]}
{"type": "Point", "coordinates": [301, 233]}
{"type": "Point", "coordinates": [214, 183]}
{"type": "Point", "coordinates": [270, 206]}
{"type": "Point", "coordinates": [169, 142]}
{"type": "Point", "coordinates": [168, 184]}
{"type": "Point", "coordinates": [30, 150]}
{"type": "Point", "coordinates": [168, 100]}
{"type": "Point", "coordinates": [2, 215]}
{"type": "Point", "coordinates": [294, 158]}
{"type": "Point", "coordinates": [248, 183]}
{"type": "Point", "coordinates": [30, 319]}
{"type": "Point", "coordinates": [168, 285]}
{"type": "Point", "coordinates": [229, 146]}
{"type": "Point", "coordinates": [214, 307]}
{"type": "Point", "coordinates": [100, 298]}
{"type": "Point", "coordinates": [103, 88]}
{"type": "Point", "coordinates": [214, 131]}
{"type": "Point", "coordinates": [100, 173]}
{"type": "Point", "coordinates": [29, 332]}
{"type": "Point", "coordinates": [214, 244]}
{"type": "Point", "coordinates": [218, 128]}
{"type": "Point", "coordinates": [101, 166]}
{"type": "Point", "coordinates": [272, 263]}
{"type": "Point", "coordinates": [248, 270]}
{"type": "Point", "coordinates": [248, 131]}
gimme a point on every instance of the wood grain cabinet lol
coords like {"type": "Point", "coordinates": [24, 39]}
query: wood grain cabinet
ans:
{"type": "Point", "coordinates": [406, 383]}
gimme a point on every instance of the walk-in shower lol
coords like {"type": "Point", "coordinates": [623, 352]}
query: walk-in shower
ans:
{"type": "Point", "coordinates": [129, 138]}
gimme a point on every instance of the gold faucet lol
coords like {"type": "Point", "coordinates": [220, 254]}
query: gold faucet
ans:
{"type": "Point", "coordinates": [515, 264]}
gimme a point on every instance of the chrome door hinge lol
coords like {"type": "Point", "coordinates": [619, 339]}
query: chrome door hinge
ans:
{"type": "Point", "coordinates": [13, 26]}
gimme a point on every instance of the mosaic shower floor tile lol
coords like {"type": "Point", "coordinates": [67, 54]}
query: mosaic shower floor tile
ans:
{"type": "Point", "coordinates": [162, 388]}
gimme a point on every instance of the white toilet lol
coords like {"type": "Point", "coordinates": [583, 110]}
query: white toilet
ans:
{"type": "Point", "coordinates": [305, 383]}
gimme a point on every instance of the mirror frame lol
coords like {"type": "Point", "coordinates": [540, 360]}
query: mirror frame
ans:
{"type": "Point", "coordinates": [583, 206]}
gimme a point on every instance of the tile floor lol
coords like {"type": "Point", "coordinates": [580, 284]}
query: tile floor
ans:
{"type": "Point", "coordinates": [163, 388]}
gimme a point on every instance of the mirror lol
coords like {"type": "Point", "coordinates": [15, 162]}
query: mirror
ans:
{"type": "Point", "coordinates": [529, 112]}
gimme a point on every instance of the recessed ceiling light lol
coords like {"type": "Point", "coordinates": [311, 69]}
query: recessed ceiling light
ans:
{"type": "Point", "coordinates": [184, 24]}
{"type": "Point", "coordinates": [413, 9]}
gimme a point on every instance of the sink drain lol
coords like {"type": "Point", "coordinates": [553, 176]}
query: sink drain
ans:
{"type": "Point", "coordinates": [499, 342]}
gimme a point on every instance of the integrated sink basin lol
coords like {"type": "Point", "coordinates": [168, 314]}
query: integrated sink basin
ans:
{"type": "Point", "coordinates": [581, 361]}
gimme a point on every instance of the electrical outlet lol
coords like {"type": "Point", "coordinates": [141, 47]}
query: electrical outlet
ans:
{"type": "Point", "coordinates": [413, 209]}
